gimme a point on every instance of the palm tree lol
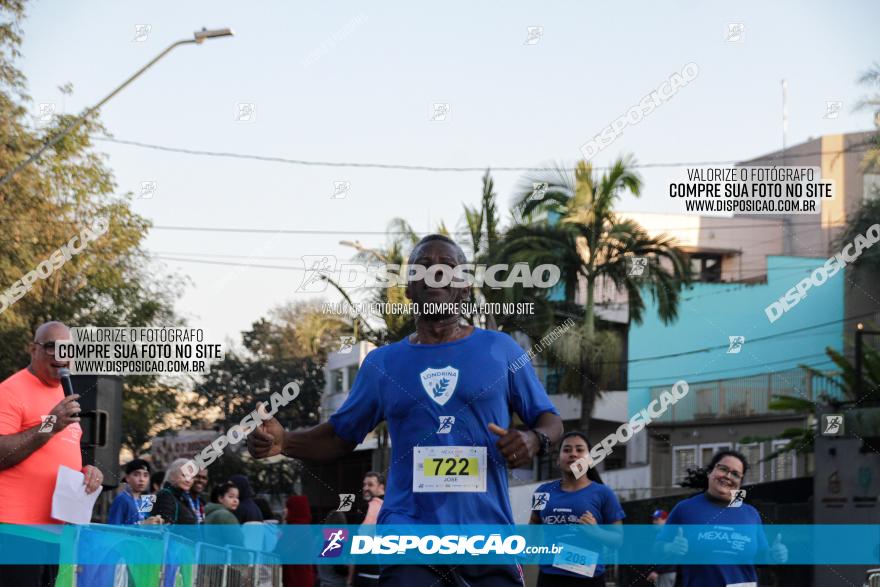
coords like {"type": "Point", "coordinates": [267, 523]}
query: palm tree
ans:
{"type": "Point", "coordinates": [402, 239]}
{"type": "Point", "coordinates": [871, 78]}
{"type": "Point", "coordinates": [482, 224]}
{"type": "Point", "coordinates": [843, 383]}
{"type": "Point", "coordinates": [867, 215]}
{"type": "Point", "coordinates": [583, 236]}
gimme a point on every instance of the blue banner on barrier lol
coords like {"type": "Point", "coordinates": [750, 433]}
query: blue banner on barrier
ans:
{"type": "Point", "coordinates": [98, 544]}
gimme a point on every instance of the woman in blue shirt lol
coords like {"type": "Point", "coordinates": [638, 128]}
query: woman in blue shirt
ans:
{"type": "Point", "coordinates": [716, 513]}
{"type": "Point", "coordinates": [577, 499]}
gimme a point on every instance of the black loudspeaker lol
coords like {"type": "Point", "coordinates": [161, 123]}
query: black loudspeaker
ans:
{"type": "Point", "coordinates": [101, 422]}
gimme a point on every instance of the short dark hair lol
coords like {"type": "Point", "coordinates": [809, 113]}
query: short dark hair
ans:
{"type": "Point", "coordinates": [380, 478]}
{"type": "Point", "coordinates": [157, 478]}
{"type": "Point", "coordinates": [462, 258]}
{"type": "Point", "coordinates": [726, 452]}
{"type": "Point", "coordinates": [220, 490]}
{"type": "Point", "coordinates": [136, 465]}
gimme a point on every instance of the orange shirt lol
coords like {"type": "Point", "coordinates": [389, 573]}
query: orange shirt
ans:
{"type": "Point", "coordinates": [26, 489]}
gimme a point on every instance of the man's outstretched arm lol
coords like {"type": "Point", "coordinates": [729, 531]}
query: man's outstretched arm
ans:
{"type": "Point", "coordinates": [319, 443]}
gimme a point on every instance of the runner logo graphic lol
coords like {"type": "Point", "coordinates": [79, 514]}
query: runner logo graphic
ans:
{"type": "Point", "coordinates": [736, 344]}
{"type": "Point", "coordinates": [340, 190]}
{"type": "Point", "coordinates": [318, 268]}
{"type": "Point", "coordinates": [346, 343]}
{"type": "Point", "coordinates": [539, 501]}
{"type": "Point", "coordinates": [47, 423]}
{"type": "Point", "coordinates": [735, 32]}
{"type": "Point", "coordinates": [832, 424]}
{"type": "Point", "coordinates": [145, 503]}
{"type": "Point", "coordinates": [440, 384]}
{"type": "Point", "coordinates": [739, 496]}
{"type": "Point", "coordinates": [446, 423]}
{"type": "Point", "coordinates": [539, 190]}
{"type": "Point", "coordinates": [534, 35]}
{"type": "Point", "coordinates": [333, 542]}
{"type": "Point", "coordinates": [346, 500]}
{"type": "Point", "coordinates": [637, 266]}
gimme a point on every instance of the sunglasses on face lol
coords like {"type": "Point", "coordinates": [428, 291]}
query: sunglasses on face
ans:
{"type": "Point", "coordinates": [726, 471]}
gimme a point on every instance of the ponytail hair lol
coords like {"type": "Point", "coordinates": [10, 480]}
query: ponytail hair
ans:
{"type": "Point", "coordinates": [592, 473]}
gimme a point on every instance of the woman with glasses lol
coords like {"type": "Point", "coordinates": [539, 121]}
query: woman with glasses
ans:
{"type": "Point", "coordinates": [720, 506]}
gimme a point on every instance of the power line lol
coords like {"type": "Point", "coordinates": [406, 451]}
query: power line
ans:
{"type": "Point", "coordinates": [432, 168]}
{"type": "Point", "coordinates": [227, 255]}
{"type": "Point", "coordinates": [232, 264]}
{"type": "Point", "coordinates": [660, 379]}
{"type": "Point", "coordinates": [753, 340]}
{"type": "Point", "coordinates": [756, 267]}
{"type": "Point", "coordinates": [318, 231]}
{"type": "Point", "coordinates": [394, 232]}
{"type": "Point", "coordinates": [161, 256]}
{"type": "Point", "coordinates": [639, 360]}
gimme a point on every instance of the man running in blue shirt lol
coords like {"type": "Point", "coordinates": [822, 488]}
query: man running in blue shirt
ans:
{"type": "Point", "coordinates": [443, 471]}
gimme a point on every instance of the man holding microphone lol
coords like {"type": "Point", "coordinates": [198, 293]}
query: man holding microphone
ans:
{"type": "Point", "coordinates": [39, 432]}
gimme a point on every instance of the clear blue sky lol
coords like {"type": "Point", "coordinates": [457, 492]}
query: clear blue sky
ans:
{"type": "Point", "coordinates": [367, 98]}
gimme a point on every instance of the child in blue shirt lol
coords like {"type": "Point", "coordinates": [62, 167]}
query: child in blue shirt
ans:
{"type": "Point", "coordinates": [131, 506]}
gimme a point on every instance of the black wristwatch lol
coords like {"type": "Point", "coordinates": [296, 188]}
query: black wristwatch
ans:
{"type": "Point", "coordinates": [545, 443]}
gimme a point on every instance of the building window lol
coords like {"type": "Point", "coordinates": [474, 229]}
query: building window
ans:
{"type": "Point", "coordinates": [754, 453]}
{"type": "Point", "coordinates": [336, 381]}
{"type": "Point", "coordinates": [352, 373]}
{"type": "Point", "coordinates": [683, 458]}
{"type": "Point", "coordinates": [785, 465]}
{"type": "Point", "coordinates": [707, 451]}
{"type": "Point", "coordinates": [553, 379]}
{"type": "Point", "coordinates": [706, 266]}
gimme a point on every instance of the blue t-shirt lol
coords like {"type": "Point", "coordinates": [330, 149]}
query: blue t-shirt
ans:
{"type": "Point", "coordinates": [126, 510]}
{"type": "Point", "coordinates": [567, 507]}
{"type": "Point", "coordinates": [436, 395]}
{"type": "Point", "coordinates": [719, 539]}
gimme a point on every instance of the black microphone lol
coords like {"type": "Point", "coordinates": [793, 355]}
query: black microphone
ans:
{"type": "Point", "coordinates": [67, 385]}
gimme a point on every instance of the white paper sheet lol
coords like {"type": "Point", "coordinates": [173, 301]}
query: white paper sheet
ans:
{"type": "Point", "coordinates": [70, 502]}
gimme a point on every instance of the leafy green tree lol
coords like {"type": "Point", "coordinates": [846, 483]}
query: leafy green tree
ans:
{"type": "Point", "coordinates": [871, 79]}
{"type": "Point", "coordinates": [46, 204]}
{"type": "Point", "coordinates": [393, 327]}
{"type": "Point", "coordinates": [296, 330]}
{"type": "Point", "coordinates": [583, 236]}
{"type": "Point", "coordinates": [275, 352]}
{"type": "Point", "coordinates": [867, 215]}
{"type": "Point", "coordinates": [483, 227]}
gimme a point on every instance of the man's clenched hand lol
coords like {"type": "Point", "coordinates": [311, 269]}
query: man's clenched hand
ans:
{"type": "Point", "coordinates": [267, 440]}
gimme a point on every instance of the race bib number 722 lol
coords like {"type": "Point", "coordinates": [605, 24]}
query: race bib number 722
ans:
{"type": "Point", "coordinates": [449, 468]}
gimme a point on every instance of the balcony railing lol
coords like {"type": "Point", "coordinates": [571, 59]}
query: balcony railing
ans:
{"type": "Point", "coordinates": [742, 397]}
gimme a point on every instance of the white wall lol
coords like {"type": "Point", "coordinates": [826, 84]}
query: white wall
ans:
{"type": "Point", "coordinates": [521, 501]}
{"type": "Point", "coordinates": [630, 483]}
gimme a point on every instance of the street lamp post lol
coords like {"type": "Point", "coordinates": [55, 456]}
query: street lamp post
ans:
{"type": "Point", "coordinates": [199, 37]}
